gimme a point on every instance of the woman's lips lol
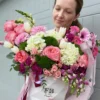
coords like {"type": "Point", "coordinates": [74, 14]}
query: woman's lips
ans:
{"type": "Point", "coordinates": [59, 21]}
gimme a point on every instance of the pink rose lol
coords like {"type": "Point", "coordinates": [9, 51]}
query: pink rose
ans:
{"type": "Point", "coordinates": [19, 29]}
{"type": "Point", "coordinates": [21, 38]}
{"type": "Point", "coordinates": [95, 51]}
{"type": "Point", "coordinates": [46, 72]}
{"type": "Point", "coordinates": [54, 68]}
{"type": "Point", "coordinates": [21, 56]}
{"type": "Point", "coordinates": [11, 36]}
{"type": "Point", "coordinates": [83, 60]}
{"type": "Point", "coordinates": [52, 52]}
{"type": "Point", "coordinates": [74, 29]}
{"type": "Point", "coordinates": [77, 40]}
{"type": "Point", "coordinates": [34, 51]}
{"type": "Point", "coordinates": [9, 26]}
{"type": "Point", "coordinates": [57, 74]}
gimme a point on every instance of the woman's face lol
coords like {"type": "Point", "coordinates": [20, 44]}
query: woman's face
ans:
{"type": "Point", "coordinates": [64, 13]}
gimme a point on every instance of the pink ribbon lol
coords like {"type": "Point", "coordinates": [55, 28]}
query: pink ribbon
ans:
{"type": "Point", "coordinates": [29, 80]}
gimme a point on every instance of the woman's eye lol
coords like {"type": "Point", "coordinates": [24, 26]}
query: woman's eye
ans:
{"type": "Point", "coordinates": [57, 9]}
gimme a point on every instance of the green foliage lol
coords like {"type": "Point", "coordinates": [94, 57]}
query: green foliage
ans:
{"type": "Point", "coordinates": [22, 45]}
{"type": "Point", "coordinates": [10, 55]}
{"type": "Point", "coordinates": [27, 16]}
{"type": "Point", "coordinates": [80, 51]}
{"type": "Point", "coordinates": [44, 62]}
{"type": "Point", "coordinates": [51, 41]}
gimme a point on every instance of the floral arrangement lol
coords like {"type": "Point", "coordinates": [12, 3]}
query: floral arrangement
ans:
{"type": "Point", "coordinates": [49, 54]}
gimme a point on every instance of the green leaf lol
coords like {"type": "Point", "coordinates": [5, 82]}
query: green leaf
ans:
{"type": "Point", "coordinates": [10, 69]}
{"type": "Point", "coordinates": [10, 55]}
{"type": "Point", "coordinates": [26, 15]}
{"type": "Point", "coordinates": [22, 45]}
{"type": "Point", "coordinates": [44, 62]}
{"type": "Point", "coordinates": [51, 41]}
{"type": "Point", "coordinates": [16, 68]}
{"type": "Point", "coordinates": [80, 51]}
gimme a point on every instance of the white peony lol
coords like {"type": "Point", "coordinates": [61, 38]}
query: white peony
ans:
{"type": "Point", "coordinates": [7, 44]}
{"type": "Point", "coordinates": [69, 54]}
{"type": "Point", "coordinates": [15, 49]}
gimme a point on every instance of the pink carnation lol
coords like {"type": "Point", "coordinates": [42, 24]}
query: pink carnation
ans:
{"type": "Point", "coordinates": [52, 52]}
{"type": "Point", "coordinates": [77, 40]}
{"type": "Point", "coordinates": [37, 29]}
{"type": "Point", "coordinates": [34, 51]}
{"type": "Point", "coordinates": [21, 38]}
{"type": "Point", "coordinates": [19, 29]}
{"type": "Point", "coordinates": [21, 56]}
{"type": "Point", "coordinates": [74, 29]}
{"type": "Point", "coordinates": [83, 60]}
{"type": "Point", "coordinates": [11, 36]}
{"type": "Point", "coordinates": [9, 26]}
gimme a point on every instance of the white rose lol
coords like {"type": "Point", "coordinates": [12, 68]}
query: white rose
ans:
{"type": "Point", "coordinates": [62, 31]}
{"type": "Point", "coordinates": [63, 44]}
{"type": "Point", "coordinates": [15, 49]}
{"type": "Point", "coordinates": [8, 44]}
{"type": "Point", "coordinates": [27, 27]}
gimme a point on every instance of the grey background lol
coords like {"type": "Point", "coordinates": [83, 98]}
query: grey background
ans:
{"type": "Point", "coordinates": [10, 82]}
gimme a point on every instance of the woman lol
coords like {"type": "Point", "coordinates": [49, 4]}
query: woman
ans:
{"type": "Point", "coordinates": [65, 14]}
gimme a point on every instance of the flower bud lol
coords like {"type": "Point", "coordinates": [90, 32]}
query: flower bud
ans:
{"type": "Point", "coordinates": [8, 44]}
{"type": "Point", "coordinates": [15, 49]}
{"type": "Point", "coordinates": [27, 27]}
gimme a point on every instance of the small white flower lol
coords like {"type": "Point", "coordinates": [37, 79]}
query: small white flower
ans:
{"type": "Point", "coordinates": [15, 49]}
{"type": "Point", "coordinates": [8, 44]}
{"type": "Point", "coordinates": [27, 27]}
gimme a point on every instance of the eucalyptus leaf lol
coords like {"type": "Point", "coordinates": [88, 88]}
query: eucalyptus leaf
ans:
{"type": "Point", "coordinates": [10, 55]}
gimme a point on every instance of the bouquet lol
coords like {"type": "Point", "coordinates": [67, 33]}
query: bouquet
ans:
{"type": "Point", "coordinates": [38, 54]}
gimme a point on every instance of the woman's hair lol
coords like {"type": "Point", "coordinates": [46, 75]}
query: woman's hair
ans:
{"type": "Point", "coordinates": [78, 9]}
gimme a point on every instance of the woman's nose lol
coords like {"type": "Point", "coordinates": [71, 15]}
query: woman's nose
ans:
{"type": "Point", "coordinates": [61, 14]}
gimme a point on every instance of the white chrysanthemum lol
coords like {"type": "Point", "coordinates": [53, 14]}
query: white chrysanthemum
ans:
{"type": "Point", "coordinates": [35, 42]}
{"type": "Point", "coordinates": [69, 53]}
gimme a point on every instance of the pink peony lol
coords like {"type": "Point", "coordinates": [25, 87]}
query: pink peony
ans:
{"type": "Point", "coordinates": [11, 36]}
{"type": "Point", "coordinates": [21, 56]}
{"type": "Point", "coordinates": [83, 60]}
{"type": "Point", "coordinates": [74, 29]}
{"type": "Point", "coordinates": [52, 52]}
{"type": "Point", "coordinates": [9, 26]}
{"type": "Point", "coordinates": [37, 29]}
{"type": "Point", "coordinates": [54, 68]}
{"type": "Point", "coordinates": [77, 40]}
{"type": "Point", "coordinates": [19, 29]}
{"type": "Point", "coordinates": [95, 51]}
{"type": "Point", "coordinates": [57, 74]}
{"type": "Point", "coordinates": [46, 72]}
{"type": "Point", "coordinates": [21, 38]}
